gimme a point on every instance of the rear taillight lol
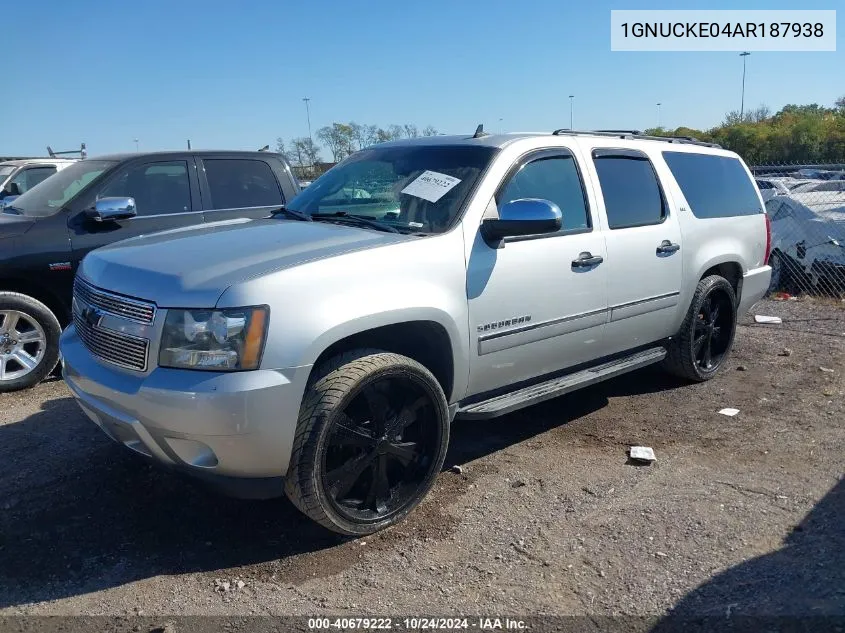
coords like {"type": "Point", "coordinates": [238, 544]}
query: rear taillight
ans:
{"type": "Point", "coordinates": [768, 239]}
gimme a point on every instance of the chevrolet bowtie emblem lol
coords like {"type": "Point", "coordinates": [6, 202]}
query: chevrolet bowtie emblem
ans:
{"type": "Point", "coordinates": [92, 316]}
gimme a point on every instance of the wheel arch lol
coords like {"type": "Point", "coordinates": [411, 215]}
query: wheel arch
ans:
{"type": "Point", "coordinates": [426, 341]}
{"type": "Point", "coordinates": [39, 292]}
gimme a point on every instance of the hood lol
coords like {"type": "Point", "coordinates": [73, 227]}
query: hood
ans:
{"type": "Point", "coordinates": [13, 225]}
{"type": "Point", "coordinates": [192, 267]}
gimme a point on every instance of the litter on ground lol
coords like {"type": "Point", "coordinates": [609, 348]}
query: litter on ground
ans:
{"type": "Point", "coordinates": [729, 411]}
{"type": "Point", "coordinates": [760, 318]}
{"type": "Point", "coordinates": [642, 453]}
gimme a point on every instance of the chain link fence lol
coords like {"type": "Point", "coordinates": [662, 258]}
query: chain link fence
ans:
{"type": "Point", "coordinates": [806, 206]}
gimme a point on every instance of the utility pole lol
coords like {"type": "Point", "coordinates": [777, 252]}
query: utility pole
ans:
{"type": "Point", "coordinates": [571, 98]}
{"type": "Point", "coordinates": [308, 114]}
{"type": "Point", "coordinates": [744, 54]}
{"type": "Point", "coordinates": [658, 115]}
{"type": "Point", "coordinates": [189, 144]}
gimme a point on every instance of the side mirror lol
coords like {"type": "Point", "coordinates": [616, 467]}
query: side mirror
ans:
{"type": "Point", "coordinates": [526, 216]}
{"type": "Point", "coordinates": [106, 209]}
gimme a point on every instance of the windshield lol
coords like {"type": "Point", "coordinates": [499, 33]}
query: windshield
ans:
{"type": "Point", "coordinates": [414, 189]}
{"type": "Point", "coordinates": [50, 195]}
{"type": "Point", "coordinates": [5, 170]}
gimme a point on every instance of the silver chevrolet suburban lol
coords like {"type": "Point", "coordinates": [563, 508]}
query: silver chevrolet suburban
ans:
{"type": "Point", "coordinates": [325, 350]}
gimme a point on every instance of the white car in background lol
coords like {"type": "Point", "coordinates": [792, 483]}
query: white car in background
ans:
{"type": "Point", "coordinates": [19, 176]}
{"type": "Point", "coordinates": [771, 187]}
{"type": "Point", "coordinates": [808, 239]}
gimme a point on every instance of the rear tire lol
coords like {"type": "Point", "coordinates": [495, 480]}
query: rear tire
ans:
{"type": "Point", "coordinates": [706, 336]}
{"type": "Point", "coordinates": [371, 437]}
{"type": "Point", "coordinates": [29, 341]}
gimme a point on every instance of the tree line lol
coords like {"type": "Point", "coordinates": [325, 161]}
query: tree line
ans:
{"type": "Point", "coordinates": [341, 139]}
{"type": "Point", "coordinates": [796, 133]}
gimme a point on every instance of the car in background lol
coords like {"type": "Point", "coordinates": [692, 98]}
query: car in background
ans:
{"type": "Point", "coordinates": [770, 187]}
{"type": "Point", "coordinates": [46, 232]}
{"type": "Point", "coordinates": [808, 240]}
{"type": "Point", "coordinates": [819, 185]}
{"type": "Point", "coordinates": [19, 176]}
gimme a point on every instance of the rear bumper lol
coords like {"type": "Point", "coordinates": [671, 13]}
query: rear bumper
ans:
{"type": "Point", "coordinates": [231, 429]}
{"type": "Point", "coordinates": [755, 285]}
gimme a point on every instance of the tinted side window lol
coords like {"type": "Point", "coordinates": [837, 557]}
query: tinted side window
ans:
{"type": "Point", "coordinates": [632, 195]}
{"type": "Point", "coordinates": [555, 179]}
{"type": "Point", "coordinates": [241, 183]}
{"type": "Point", "coordinates": [714, 186]}
{"type": "Point", "coordinates": [157, 187]}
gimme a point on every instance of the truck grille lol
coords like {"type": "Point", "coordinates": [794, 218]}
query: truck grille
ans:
{"type": "Point", "coordinates": [91, 305]}
{"type": "Point", "coordinates": [114, 347]}
{"type": "Point", "coordinates": [132, 309]}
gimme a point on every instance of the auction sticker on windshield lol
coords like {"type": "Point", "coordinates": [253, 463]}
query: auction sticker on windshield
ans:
{"type": "Point", "coordinates": [431, 185]}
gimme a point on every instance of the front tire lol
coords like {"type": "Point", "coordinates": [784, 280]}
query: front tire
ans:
{"type": "Point", "coordinates": [371, 437]}
{"type": "Point", "coordinates": [707, 333]}
{"type": "Point", "coordinates": [29, 341]}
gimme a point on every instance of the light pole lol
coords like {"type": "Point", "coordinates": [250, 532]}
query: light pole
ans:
{"type": "Point", "coordinates": [308, 114]}
{"type": "Point", "coordinates": [571, 101]}
{"type": "Point", "coordinates": [744, 54]}
{"type": "Point", "coordinates": [658, 115]}
{"type": "Point", "coordinates": [501, 131]}
{"type": "Point", "coordinates": [136, 145]}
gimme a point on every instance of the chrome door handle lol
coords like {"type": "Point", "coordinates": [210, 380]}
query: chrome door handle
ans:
{"type": "Point", "coordinates": [668, 247]}
{"type": "Point", "coordinates": [585, 260]}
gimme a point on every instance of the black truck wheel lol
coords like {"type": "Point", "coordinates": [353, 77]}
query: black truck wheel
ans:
{"type": "Point", "coordinates": [371, 437]}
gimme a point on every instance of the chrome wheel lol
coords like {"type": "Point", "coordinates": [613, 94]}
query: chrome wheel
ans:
{"type": "Point", "coordinates": [23, 344]}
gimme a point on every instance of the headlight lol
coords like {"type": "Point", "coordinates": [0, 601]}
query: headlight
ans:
{"type": "Point", "coordinates": [215, 340]}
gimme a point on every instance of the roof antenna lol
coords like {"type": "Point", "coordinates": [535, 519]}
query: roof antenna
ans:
{"type": "Point", "coordinates": [479, 131]}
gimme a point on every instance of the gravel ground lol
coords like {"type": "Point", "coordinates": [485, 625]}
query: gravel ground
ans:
{"type": "Point", "coordinates": [739, 515]}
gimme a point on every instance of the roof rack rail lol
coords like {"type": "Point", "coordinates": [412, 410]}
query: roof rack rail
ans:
{"type": "Point", "coordinates": [635, 134]}
{"type": "Point", "coordinates": [83, 153]}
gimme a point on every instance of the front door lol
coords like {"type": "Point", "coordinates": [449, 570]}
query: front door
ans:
{"type": "Point", "coordinates": [534, 308]}
{"type": "Point", "coordinates": [166, 197]}
{"type": "Point", "coordinates": [644, 269]}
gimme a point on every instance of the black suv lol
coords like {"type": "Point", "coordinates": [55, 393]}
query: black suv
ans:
{"type": "Point", "coordinates": [47, 231]}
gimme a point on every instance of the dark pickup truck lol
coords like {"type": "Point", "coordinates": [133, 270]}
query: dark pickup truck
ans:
{"type": "Point", "coordinates": [45, 233]}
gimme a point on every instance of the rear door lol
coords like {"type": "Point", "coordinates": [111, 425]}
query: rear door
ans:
{"type": "Point", "coordinates": [166, 196]}
{"type": "Point", "coordinates": [644, 259]}
{"type": "Point", "coordinates": [241, 187]}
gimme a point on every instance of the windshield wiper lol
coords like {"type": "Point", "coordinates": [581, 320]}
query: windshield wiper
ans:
{"type": "Point", "coordinates": [356, 219]}
{"type": "Point", "coordinates": [296, 215]}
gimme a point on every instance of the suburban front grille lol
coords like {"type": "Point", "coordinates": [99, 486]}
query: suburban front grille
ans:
{"type": "Point", "coordinates": [132, 309]}
{"type": "Point", "coordinates": [114, 347]}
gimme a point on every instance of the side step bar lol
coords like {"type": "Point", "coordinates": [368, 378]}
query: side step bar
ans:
{"type": "Point", "coordinates": [534, 394]}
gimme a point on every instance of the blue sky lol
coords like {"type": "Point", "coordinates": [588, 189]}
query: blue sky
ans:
{"type": "Point", "coordinates": [232, 75]}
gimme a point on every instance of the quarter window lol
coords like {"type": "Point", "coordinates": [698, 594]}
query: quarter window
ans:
{"type": "Point", "coordinates": [714, 186]}
{"type": "Point", "coordinates": [555, 179]}
{"type": "Point", "coordinates": [241, 183]}
{"type": "Point", "coordinates": [157, 188]}
{"type": "Point", "coordinates": [632, 195]}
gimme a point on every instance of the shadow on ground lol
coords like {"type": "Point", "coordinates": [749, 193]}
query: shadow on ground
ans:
{"type": "Point", "coordinates": [799, 587]}
{"type": "Point", "coordinates": [79, 513]}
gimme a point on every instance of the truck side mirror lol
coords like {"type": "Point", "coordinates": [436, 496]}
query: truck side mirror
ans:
{"type": "Point", "coordinates": [526, 216]}
{"type": "Point", "coordinates": [115, 208]}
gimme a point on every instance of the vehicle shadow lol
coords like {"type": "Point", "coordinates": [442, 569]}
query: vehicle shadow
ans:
{"type": "Point", "coordinates": [79, 513]}
{"type": "Point", "coordinates": [799, 587]}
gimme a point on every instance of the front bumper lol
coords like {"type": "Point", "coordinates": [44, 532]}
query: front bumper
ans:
{"type": "Point", "coordinates": [215, 425]}
{"type": "Point", "coordinates": [755, 285]}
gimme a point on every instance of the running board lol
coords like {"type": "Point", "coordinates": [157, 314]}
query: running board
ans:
{"type": "Point", "coordinates": [534, 394]}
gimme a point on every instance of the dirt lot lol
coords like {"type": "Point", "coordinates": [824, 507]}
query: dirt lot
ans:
{"type": "Point", "coordinates": [739, 515]}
